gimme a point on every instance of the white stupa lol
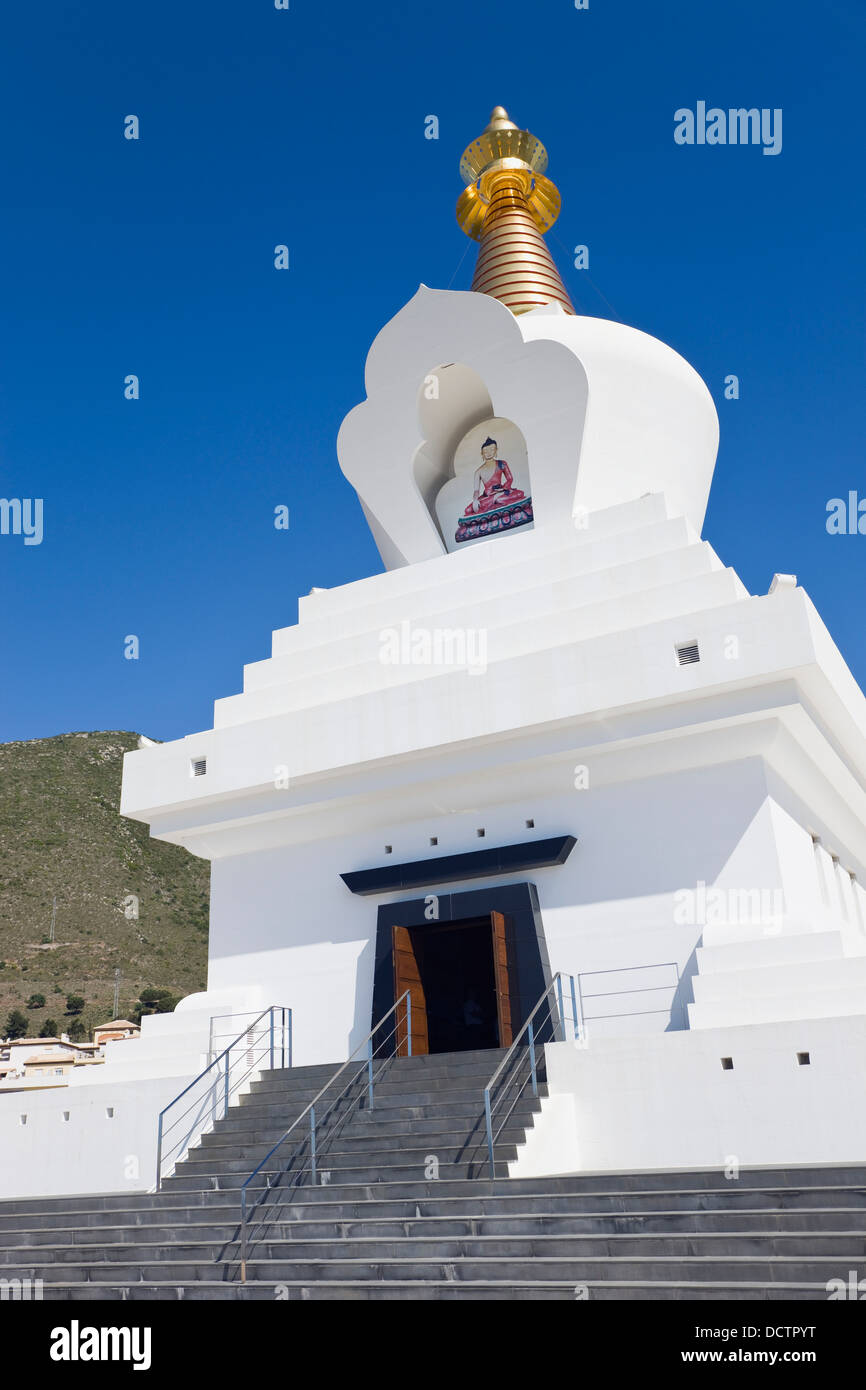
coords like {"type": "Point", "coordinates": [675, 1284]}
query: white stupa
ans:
{"type": "Point", "coordinates": [558, 708]}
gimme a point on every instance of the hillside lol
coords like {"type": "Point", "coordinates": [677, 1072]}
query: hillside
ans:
{"type": "Point", "coordinates": [61, 833]}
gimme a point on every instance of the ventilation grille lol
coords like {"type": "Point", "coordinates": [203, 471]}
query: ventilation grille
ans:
{"type": "Point", "coordinates": [688, 654]}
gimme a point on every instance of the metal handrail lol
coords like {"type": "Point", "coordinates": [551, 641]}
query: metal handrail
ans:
{"type": "Point", "coordinates": [201, 1113]}
{"type": "Point", "coordinates": [231, 1033]}
{"type": "Point", "coordinates": [314, 1139]}
{"type": "Point", "coordinates": [641, 989]}
{"type": "Point", "coordinates": [511, 1057]}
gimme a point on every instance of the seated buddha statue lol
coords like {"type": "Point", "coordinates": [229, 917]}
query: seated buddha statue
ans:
{"type": "Point", "coordinates": [493, 483]}
{"type": "Point", "coordinates": [497, 505]}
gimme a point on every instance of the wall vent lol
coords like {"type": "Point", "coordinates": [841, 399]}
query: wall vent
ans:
{"type": "Point", "coordinates": [688, 653]}
{"type": "Point", "coordinates": [803, 1059]}
{"type": "Point", "coordinates": [727, 1064]}
{"type": "Point", "coordinates": [198, 767]}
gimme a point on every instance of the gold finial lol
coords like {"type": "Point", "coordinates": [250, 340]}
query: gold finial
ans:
{"type": "Point", "coordinates": [499, 120]}
{"type": "Point", "coordinates": [507, 205]}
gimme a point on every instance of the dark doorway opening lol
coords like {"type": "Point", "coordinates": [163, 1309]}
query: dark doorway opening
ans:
{"type": "Point", "coordinates": [457, 975]}
{"type": "Point", "coordinates": [521, 962]}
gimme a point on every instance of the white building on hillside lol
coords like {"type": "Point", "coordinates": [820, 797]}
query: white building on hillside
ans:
{"type": "Point", "coordinates": [33, 1062]}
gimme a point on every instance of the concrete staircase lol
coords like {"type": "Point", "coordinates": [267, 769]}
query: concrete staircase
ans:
{"type": "Point", "coordinates": [379, 1227]}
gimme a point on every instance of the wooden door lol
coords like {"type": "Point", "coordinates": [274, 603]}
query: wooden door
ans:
{"type": "Point", "coordinates": [408, 976]}
{"type": "Point", "coordinates": [501, 979]}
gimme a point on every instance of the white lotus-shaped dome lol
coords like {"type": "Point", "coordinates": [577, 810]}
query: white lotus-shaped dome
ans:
{"type": "Point", "coordinates": [608, 414]}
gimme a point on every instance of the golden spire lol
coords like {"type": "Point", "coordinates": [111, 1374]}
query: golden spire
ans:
{"type": "Point", "coordinates": [507, 205]}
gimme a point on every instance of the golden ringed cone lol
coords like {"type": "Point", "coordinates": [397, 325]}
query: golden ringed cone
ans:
{"type": "Point", "coordinates": [507, 205]}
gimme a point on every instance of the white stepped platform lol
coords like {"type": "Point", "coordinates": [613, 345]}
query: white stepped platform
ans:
{"type": "Point", "coordinates": [813, 1003]}
{"type": "Point", "coordinates": [769, 950]}
{"type": "Point", "coordinates": [770, 981]}
{"type": "Point", "coordinates": [774, 977]}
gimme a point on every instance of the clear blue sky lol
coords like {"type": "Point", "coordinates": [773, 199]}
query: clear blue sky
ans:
{"type": "Point", "coordinates": [306, 127]}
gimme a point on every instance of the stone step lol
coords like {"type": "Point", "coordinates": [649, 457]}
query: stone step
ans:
{"type": "Point", "coordinates": [517, 1249]}
{"type": "Point", "coordinates": [811, 1187]}
{"type": "Point", "coordinates": [813, 1209]}
{"type": "Point", "coordinates": [691, 1184]}
{"type": "Point", "coordinates": [462, 1196]}
{"type": "Point", "coordinates": [423, 1092]}
{"type": "Point", "coordinates": [431, 1290]}
{"type": "Point", "coordinates": [482, 1059]}
{"type": "Point", "coordinates": [339, 1169]}
{"type": "Point", "coordinates": [235, 1157]}
{"type": "Point", "coordinates": [480, 1065]}
{"type": "Point", "coordinates": [384, 1098]}
{"type": "Point", "coordinates": [401, 1118]}
{"type": "Point", "coordinates": [215, 1148]}
{"type": "Point", "coordinates": [397, 1109]}
{"type": "Point", "coordinates": [691, 1268]}
{"type": "Point", "coordinates": [347, 1168]}
{"type": "Point", "coordinates": [396, 1075]}
{"type": "Point", "coordinates": [259, 1142]}
{"type": "Point", "coordinates": [846, 1221]}
{"type": "Point", "coordinates": [449, 1082]}
{"type": "Point", "coordinates": [317, 1071]}
{"type": "Point", "coordinates": [778, 1269]}
{"type": "Point", "coordinates": [490, 1215]}
{"type": "Point", "coordinates": [409, 1070]}
{"type": "Point", "coordinates": [344, 1150]}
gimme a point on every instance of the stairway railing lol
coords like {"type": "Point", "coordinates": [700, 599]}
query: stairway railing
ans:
{"type": "Point", "coordinates": [264, 1043]}
{"type": "Point", "coordinates": [323, 1120]}
{"type": "Point", "coordinates": [548, 1021]}
{"type": "Point", "coordinates": [224, 1031]}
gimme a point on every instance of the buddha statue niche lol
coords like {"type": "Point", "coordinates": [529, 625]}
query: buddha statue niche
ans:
{"type": "Point", "coordinates": [496, 503]}
{"type": "Point", "coordinates": [490, 491]}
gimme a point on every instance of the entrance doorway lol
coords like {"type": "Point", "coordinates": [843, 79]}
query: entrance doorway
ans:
{"type": "Point", "coordinates": [458, 977]}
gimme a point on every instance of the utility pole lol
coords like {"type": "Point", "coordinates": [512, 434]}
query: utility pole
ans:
{"type": "Point", "coordinates": [53, 918]}
{"type": "Point", "coordinates": [116, 993]}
